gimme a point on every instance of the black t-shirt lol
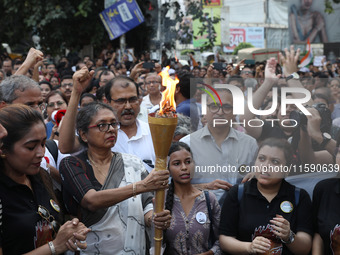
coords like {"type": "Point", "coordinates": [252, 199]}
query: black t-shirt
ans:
{"type": "Point", "coordinates": [250, 217]}
{"type": "Point", "coordinates": [326, 214]}
{"type": "Point", "coordinates": [22, 228]}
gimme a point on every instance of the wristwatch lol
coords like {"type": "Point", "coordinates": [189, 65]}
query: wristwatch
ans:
{"type": "Point", "coordinates": [291, 238]}
{"type": "Point", "coordinates": [326, 138]}
{"type": "Point", "coordinates": [294, 76]}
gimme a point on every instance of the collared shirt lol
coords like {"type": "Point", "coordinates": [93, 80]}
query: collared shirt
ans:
{"type": "Point", "coordinates": [213, 162]}
{"type": "Point", "coordinates": [147, 102]}
{"type": "Point", "coordinates": [250, 216]}
{"type": "Point", "coordinates": [326, 214]}
{"type": "Point", "coordinates": [139, 145]}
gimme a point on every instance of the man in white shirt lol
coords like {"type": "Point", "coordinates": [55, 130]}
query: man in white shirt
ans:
{"type": "Point", "coordinates": [134, 136]}
{"type": "Point", "coordinates": [153, 84]}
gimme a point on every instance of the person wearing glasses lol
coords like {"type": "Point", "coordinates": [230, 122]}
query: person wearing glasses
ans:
{"type": "Point", "coordinates": [134, 136]}
{"type": "Point", "coordinates": [153, 84]}
{"type": "Point", "coordinates": [220, 152]}
{"type": "Point", "coordinates": [30, 215]}
{"type": "Point", "coordinates": [111, 191]}
{"type": "Point", "coordinates": [55, 101]}
{"type": "Point", "coordinates": [66, 86]}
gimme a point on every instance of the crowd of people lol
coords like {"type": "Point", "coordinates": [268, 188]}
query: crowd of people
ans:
{"type": "Point", "coordinates": [77, 158]}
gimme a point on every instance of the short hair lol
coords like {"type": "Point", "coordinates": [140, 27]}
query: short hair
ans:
{"type": "Point", "coordinates": [106, 72]}
{"type": "Point", "coordinates": [153, 74]}
{"type": "Point", "coordinates": [237, 78]}
{"type": "Point", "coordinates": [85, 116]}
{"type": "Point", "coordinates": [18, 119]}
{"type": "Point", "coordinates": [111, 83]}
{"type": "Point", "coordinates": [282, 144]}
{"type": "Point", "coordinates": [321, 96]}
{"type": "Point", "coordinates": [13, 83]}
{"type": "Point", "coordinates": [184, 84]}
{"type": "Point", "coordinates": [47, 83]}
{"type": "Point", "coordinates": [87, 95]}
{"type": "Point", "coordinates": [56, 92]}
{"type": "Point", "coordinates": [66, 77]}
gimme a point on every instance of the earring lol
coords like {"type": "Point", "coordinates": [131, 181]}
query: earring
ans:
{"type": "Point", "coordinates": [3, 156]}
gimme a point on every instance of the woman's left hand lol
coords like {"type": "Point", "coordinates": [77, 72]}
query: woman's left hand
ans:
{"type": "Point", "coordinates": [281, 227]}
{"type": "Point", "coordinates": [162, 220]}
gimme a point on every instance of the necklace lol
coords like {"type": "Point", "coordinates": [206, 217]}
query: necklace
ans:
{"type": "Point", "coordinates": [95, 165]}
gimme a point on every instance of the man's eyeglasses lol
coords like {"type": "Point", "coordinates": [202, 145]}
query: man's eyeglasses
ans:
{"type": "Point", "coordinates": [122, 101]}
{"type": "Point", "coordinates": [226, 108]}
{"type": "Point", "coordinates": [67, 85]}
{"type": "Point", "coordinates": [45, 214]}
{"type": "Point", "coordinates": [41, 106]}
{"type": "Point", "coordinates": [104, 127]}
{"type": "Point", "coordinates": [246, 72]}
{"type": "Point", "coordinates": [53, 104]}
{"type": "Point", "coordinates": [153, 82]}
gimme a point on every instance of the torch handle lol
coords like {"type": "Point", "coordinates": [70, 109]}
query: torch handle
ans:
{"type": "Point", "coordinates": [160, 164]}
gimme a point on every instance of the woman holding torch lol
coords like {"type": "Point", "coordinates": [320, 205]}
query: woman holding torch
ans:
{"type": "Point", "coordinates": [111, 191]}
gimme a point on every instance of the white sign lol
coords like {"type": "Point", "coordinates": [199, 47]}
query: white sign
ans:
{"type": "Point", "coordinates": [318, 60]}
{"type": "Point", "coordinates": [253, 35]}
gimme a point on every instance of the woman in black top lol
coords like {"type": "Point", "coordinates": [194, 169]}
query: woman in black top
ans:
{"type": "Point", "coordinates": [29, 212]}
{"type": "Point", "coordinates": [326, 213]}
{"type": "Point", "coordinates": [267, 215]}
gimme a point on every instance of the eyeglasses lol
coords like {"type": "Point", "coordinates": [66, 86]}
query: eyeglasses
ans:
{"type": "Point", "coordinates": [45, 214]}
{"type": "Point", "coordinates": [154, 82]}
{"type": "Point", "coordinates": [104, 127]}
{"type": "Point", "coordinates": [64, 85]}
{"type": "Point", "coordinates": [226, 108]}
{"type": "Point", "coordinates": [53, 104]}
{"type": "Point", "coordinates": [41, 106]}
{"type": "Point", "coordinates": [122, 101]}
{"type": "Point", "coordinates": [246, 72]}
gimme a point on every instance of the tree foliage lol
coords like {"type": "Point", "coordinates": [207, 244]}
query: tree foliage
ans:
{"type": "Point", "coordinates": [242, 45]}
{"type": "Point", "coordinates": [329, 5]}
{"type": "Point", "coordinates": [60, 24]}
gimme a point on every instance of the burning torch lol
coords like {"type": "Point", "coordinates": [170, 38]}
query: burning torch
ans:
{"type": "Point", "coordinates": [162, 126]}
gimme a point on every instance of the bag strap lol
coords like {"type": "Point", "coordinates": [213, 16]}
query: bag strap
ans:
{"type": "Point", "coordinates": [211, 233]}
{"type": "Point", "coordinates": [53, 149]}
{"type": "Point", "coordinates": [297, 195]}
{"type": "Point", "coordinates": [240, 192]}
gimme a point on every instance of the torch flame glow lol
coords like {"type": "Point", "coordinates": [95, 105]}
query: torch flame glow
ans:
{"type": "Point", "coordinates": [168, 103]}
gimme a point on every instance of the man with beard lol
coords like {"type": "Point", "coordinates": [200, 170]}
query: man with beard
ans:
{"type": "Point", "coordinates": [134, 136]}
{"type": "Point", "coordinates": [66, 86]}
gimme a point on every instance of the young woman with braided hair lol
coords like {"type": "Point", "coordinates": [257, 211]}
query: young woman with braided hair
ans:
{"type": "Point", "coordinates": [195, 214]}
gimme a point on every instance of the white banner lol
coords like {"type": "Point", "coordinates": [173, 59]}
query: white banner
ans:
{"type": "Point", "coordinates": [253, 35]}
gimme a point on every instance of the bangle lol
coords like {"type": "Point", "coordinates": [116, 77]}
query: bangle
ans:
{"type": "Point", "coordinates": [134, 189]}
{"type": "Point", "coordinates": [52, 248]}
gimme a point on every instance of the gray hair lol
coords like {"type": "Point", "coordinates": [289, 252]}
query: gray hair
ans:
{"type": "Point", "coordinates": [14, 83]}
{"type": "Point", "coordinates": [250, 83]}
{"type": "Point", "coordinates": [85, 116]}
{"type": "Point", "coordinates": [183, 125]}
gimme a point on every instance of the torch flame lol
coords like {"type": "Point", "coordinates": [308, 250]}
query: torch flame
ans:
{"type": "Point", "coordinates": [168, 103]}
